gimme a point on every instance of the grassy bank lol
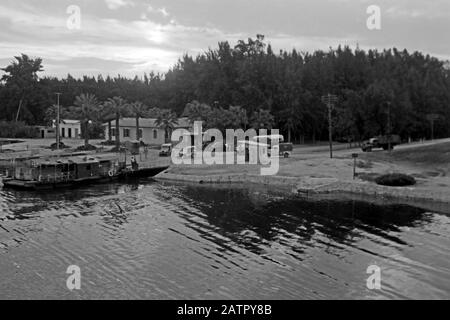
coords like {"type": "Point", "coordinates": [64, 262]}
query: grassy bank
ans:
{"type": "Point", "coordinates": [437, 155]}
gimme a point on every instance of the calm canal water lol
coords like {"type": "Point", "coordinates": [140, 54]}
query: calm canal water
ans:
{"type": "Point", "coordinates": [150, 240]}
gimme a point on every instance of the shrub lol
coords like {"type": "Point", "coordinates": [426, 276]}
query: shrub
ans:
{"type": "Point", "coordinates": [89, 147]}
{"type": "Point", "coordinates": [108, 143]}
{"type": "Point", "coordinates": [118, 150]}
{"type": "Point", "coordinates": [9, 129]}
{"type": "Point", "coordinates": [395, 180]}
{"type": "Point", "coordinates": [61, 146]}
{"type": "Point", "coordinates": [96, 131]}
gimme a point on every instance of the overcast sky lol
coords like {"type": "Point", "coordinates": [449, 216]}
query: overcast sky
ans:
{"type": "Point", "coordinates": [130, 37]}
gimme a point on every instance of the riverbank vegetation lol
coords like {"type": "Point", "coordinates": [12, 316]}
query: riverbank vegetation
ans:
{"type": "Point", "coordinates": [17, 130]}
{"type": "Point", "coordinates": [245, 83]}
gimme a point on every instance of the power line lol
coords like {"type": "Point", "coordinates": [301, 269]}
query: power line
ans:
{"type": "Point", "coordinates": [58, 137]}
{"type": "Point", "coordinates": [330, 100]}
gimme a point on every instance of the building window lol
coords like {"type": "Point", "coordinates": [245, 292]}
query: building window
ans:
{"type": "Point", "coordinates": [113, 132]}
{"type": "Point", "coordinates": [126, 133]}
{"type": "Point", "coordinates": [63, 132]}
{"type": "Point", "coordinates": [155, 134]}
{"type": "Point", "coordinates": [140, 133]}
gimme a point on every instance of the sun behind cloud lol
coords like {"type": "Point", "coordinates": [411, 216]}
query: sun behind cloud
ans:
{"type": "Point", "coordinates": [139, 34]}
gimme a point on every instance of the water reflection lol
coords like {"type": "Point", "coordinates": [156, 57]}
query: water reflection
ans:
{"type": "Point", "coordinates": [161, 240]}
{"type": "Point", "coordinates": [250, 218]}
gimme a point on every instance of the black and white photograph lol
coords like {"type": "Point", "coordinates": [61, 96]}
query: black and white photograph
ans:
{"type": "Point", "coordinates": [230, 154]}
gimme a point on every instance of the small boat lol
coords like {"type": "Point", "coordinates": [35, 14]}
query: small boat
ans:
{"type": "Point", "coordinates": [71, 171]}
{"type": "Point", "coordinates": [142, 172]}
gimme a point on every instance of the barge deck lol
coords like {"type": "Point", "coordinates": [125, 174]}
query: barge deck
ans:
{"type": "Point", "coordinates": [43, 173]}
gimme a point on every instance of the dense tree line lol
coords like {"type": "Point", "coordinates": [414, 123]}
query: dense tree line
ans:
{"type": "Point", "coordinates": [248, 85]}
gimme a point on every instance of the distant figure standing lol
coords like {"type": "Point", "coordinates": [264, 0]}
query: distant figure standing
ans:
{"type": "Point", "coordinates": [134, 164]}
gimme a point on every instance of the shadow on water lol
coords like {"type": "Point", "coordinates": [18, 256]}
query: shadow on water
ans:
{"type": "Point", "coordinates": [236, 213]}
{"type": "Point", "coordinates": [246, 217]}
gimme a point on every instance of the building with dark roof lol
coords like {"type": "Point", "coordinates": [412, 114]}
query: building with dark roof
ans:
{"type": "Point", "coordinates": [150, 132]}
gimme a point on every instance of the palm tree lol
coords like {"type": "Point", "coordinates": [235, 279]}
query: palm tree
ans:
{"type": "Point", "coordinates": [51, 112]}
{"type": "Point", "coordinates": [153, 112]}
{"type": "Point", "coordinates": [107, 115]}
{"type": "Point", "coordinates": [21, 76]}
{"type": "Point", "coordinates": [139, 110]}
{"type": "Point", "coordinates": [87, 107]}
{"type": "Point", "coordinates": [118, 106]}
{"type": "Point", "coordinates": [167, 120]}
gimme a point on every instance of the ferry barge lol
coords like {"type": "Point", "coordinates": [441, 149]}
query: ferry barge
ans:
{"type": "Point", "coordinates": [40, 173]}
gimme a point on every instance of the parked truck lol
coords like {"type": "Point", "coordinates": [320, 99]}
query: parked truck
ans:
{"type": "Point", "coordinates": [385, 142]}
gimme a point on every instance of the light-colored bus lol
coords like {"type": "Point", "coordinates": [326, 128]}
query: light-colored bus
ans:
{"type": "Point", "coordinates": [276, 144]}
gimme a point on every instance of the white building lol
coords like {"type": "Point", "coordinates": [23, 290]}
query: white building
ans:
{"type": "Point", "coordinates": [150, 133]}
{"type": "Point", "coordinates": [70, 129]}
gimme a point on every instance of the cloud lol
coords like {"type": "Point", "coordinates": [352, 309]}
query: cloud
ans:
{"type": "Point", "coordinates": [23, 18]}
{"type": "Point", "coordinates": [117, 4]}
{"type": "Point", "coordinates": [164, 12]}
{"type": "Point", "coordinates": [148, 37]}
{"type": "Point", "coordinates": [140, 45]}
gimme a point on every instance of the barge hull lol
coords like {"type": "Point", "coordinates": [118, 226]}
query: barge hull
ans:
{"type": "Point", "coordinates": [35, 185]}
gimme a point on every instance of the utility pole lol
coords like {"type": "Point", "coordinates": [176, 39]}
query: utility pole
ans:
{"type": "Point", "coordinates": [432, 118]}
{"type": "Point", "coordinates": [389, 126]}
{"type": "Point", "coordinates": [330, 100]}
{"type": "Point", "coordinates": [58, 137]}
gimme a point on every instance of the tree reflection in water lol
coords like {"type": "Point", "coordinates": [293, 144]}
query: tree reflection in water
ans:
{"type": "Point", "coordinates": [251, 218]}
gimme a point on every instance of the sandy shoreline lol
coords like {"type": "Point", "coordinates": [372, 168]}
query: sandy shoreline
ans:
{"type": "Point", "coordinates": [324, 188]}
{"type": "Point", "coordinates": [310, 172]}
